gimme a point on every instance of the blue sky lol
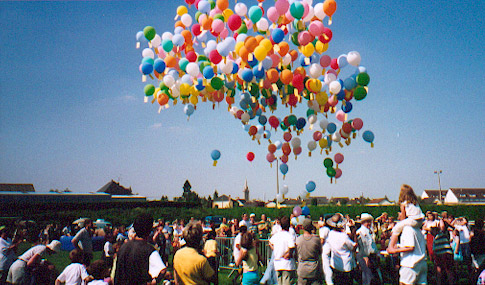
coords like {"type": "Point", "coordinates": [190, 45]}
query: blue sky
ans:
{"type": "Point", "coordinates": [72, 111]}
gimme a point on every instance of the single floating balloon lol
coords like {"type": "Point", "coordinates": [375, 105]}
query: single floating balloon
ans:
{"type": "Point", "coordinates": [215, 154]}
{"type": "Point", "coordinates": [310, 186]}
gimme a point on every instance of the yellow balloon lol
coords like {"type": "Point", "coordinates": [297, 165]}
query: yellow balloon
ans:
{"type": "Point", "coordinates": [156, 92]}
{"type": "Point", "coordinates": [260, 52]}
{"type": "Point", "coordinates": [322, 98]}
{"type": "Point", "coordinates": [182, 10]}
{"type": "Point", "coordinates": [322, 143]}
{"type": "Point", "coordinates": [238, 47]}
{"type": "Point", "coordinates": [209, 88]}
{"type": "Point", "coordinates": [266, 44]}
{"type": "Point", "coordinates": [321, 47]}
{"type": "Point", "coordinates": [308, 50]}
{"type": "Point", "coordinates": [227, 13]}
{"type": "Point", "coordinates": [194, 99]}
{"type": "Point", "coordinates": [194, 91]}
{"type": "Point", "coordinates": [184, 89]}
{"type": "Point", "coordinates": [315, 85]}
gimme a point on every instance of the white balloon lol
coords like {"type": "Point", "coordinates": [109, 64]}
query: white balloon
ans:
{"type": "Point", "coordinates": [240, 9]}
{"type": "Point", "coordinates": [295, 142]}
{"type": "Point", "coordinates": [353, 58]}
{"type": "Point", "coordinates": [284, 189]}
{"type": "Point", "coordinates": [286, 59]}
{"type": "Point", "coordinates": [323, 124]}
{"type": "Point", "coordinates": [192, 69]}
{"type": "Point", "coordinates": [260, 129]}
{"type": "Point", "coordinates": [257, 137]}
{"type": "Point", "coordinates": [310, 15]}
{"type": "Point", "coordinates": [245, 117]}
{"type": "Point", "coordinates": [318, 10]}
{"type": "Point", "coordinates": [329, 77]}
{"type": "Point", "coordinates": [315, 70]}
{"type": "Point", "coordinates": [334, 87]}
{"type": "Point", "coordinates": [262, 24]}
{"type": "Point", "coordinates": [279, 198]}
{"type": "Point", "coordinates": [312, 119]}
{"type": "Point", "coordinates": [233, 110]}
{"type": "Point", "coordinates": [312, 145]}
{"type": "Point", "coordinates": [169, 80]}
{"type": "Point", "coordinates": [186, 20]}
{"type": "Point", "coordinates": [227, 68]}
{"type": "Point", "coordinates": [278, 144]}
{"type": "Point", "coordinates": [167, 36]}
{"type": "Point", "coordinates": [156, 41]}
{"type": "Point", "coordinates": [336, 137]}
{"type": "Point", "coordinates": [148, 52]}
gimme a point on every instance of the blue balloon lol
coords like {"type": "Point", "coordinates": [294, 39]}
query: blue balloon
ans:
{"type": "Point", "coordinates": [140, 37]}
{"type": "Point", "coordinates": [259, 112]}
{"type": "Point", "coordinates": [315, 58]}
{"type": "Point", "coordinates": [310, 186]}
{"type": "Point", "coordinates": [305, 211]}
{"type": "Point", "coordinates": [331, 128]}
{"type": "Point", "coordinates": [189, 109]}
{"type": "Point", "coordinates": [277, 35]}
{"type": "Point", "coordinates": [342, 61]}
{"type": "Point", "coordinates": [341, 95]}
{"type": "Point", "coordinates": [278, 144]}
{"type": "Point", "coordinates": [253, 62]}
{"type": "Point", "coordinates": [300, 123]}
{"type": "Point", "coordinates": [347, 108]}
{"type": "Point", "coordinates": [208, 72]}
{"type": "Point", "coordinates": [262, 101]}
{"type": "Point", "coordinates": [235, 68]}
{"type": "Point", "coordinates": [246, 127]}
{"type": "Point", "coordinates": [247, 75]}
{"type": "Point", "coordinates": [229, 84]}
{"type": "Point", "coordinates": [368, 136]}
{"type": "Point", "coordinates": [244, 104]}
{"type": "Point", "coordinates": [200, 84]}
{"type": "Point", "coordinates": [267, 63]}
{"type": "Point", "coordinates": [350, 83]}
{"type": "Point", "coordinates": [262, 119]}
{"type": "Point", "coordinates": [159, 65]}
{"type": "Point", "coordinates": [258, 72]}
{"type": "Point", "coordinates": [302, 61]}
{"type": "Point", "coordinates": [178, 40]}
{"type": "Point", "coordinates": [329, 141]}
{"type": "Point", "coordinates": [246, 96]}
{"type": "Point", "coordinates": [148, 60]}
{"type": "Point", "coordinates": [215, 154]}
{"type": "Point", "coordinates": [146, 68]}
{"type": "Point", "coordinates": [284, 168]}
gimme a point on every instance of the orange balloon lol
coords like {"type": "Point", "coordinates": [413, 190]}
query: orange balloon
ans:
{"type": "Point", "coordinates": [294, 55]}
{"type": "Point", "coordinates": [243, 53]}
{"type": "Point", "coordinates": [218, 96]}
{"type": "Point", "coordinates": [189, 48]}
{"type": "Point", "coordinates": [259, 38]}
{"type": "Point", "coordinates": [179, 24]}
{"type": "Point", "coordinates": [170, 61]}
{"type": "Point", "coordinates": [329, 7]}
{"type": "Point", "coordinates": [284, 20]}
{"type": "Point", "coordinates": [162, 99]}
{"type": "Point", "coordinates": [222, 4]}
{"type": "Point", "coordinates": [286, 76]}
{"type": "Point", "coordinates": [272, 75]}
{"type": "Point", "coordinates": [300, 70]}
{"type": "Point", "coordinates": [229, 100]}
{"type": "Point", "coordinates": [187, 36]}
{"type": "Point", "coordinates": [284, 48]}
{"type": "Point", "coordinates": [250, 43]}
{"type": "Point", "coordinates": [206, 23]}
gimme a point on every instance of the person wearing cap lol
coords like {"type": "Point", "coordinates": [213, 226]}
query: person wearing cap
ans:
{"type": "Point", "coordinates": [20, 271]}
{"type": "Point", "coordinates": [341, 249]}
{"type": "Point", "coordinates": [308, 251]}
{"type": "Point", "coordinates": [138, 262]}
{"type": "Point", "coordinates": [367, 247]}
{"type": "Point", "coordinates": [253, 225]}
{"type": "Point", "coordinates": [83, 240]}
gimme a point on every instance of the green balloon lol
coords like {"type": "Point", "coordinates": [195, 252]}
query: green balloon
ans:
{"type": "Point", "coordinates": [328, 162]}
{"type": "Point", "coordinates": [220, 17]}
{"type": "Point", "coordinates": [149, 32]}
{"type": "Point", "coordinates": [283, 126]}
{"type": "Point", "coordinates": [309, 112]}
{"type": "Point", "coordinates": [197, 15]}
{"type": "Point", "coordinates": [203, 65]}
{"type": "Point", "coordinates": [216, 83]}
{"type": "Point", "coordinates": [363, 79]}
{"type": "Point", "coordinates": [149, 89]}
{"type": "Point", "coordinates": [331, 172]}
{"type": "Point", "coordinates": [242, 29]}
{"type": "Point", "coordinates": [167, 45]}
{"type": "Point", "coordinates": [292, 119]}
{"type": "Point", "coordinates": [254, 90]}
{"type": "Point", "coordinates": [294, 39]}
{"type": "Point", "coordinates": [163, 86]}
{"type": "Point", "coordinates": [183, 64]}
{"type": "Point", "coordinates": [213, 4]}
{"type": "Point", "coordinates": [297, 10]}
{"type": "Point", "coordinates": [202, 58]}
{"type": "Point", "coordinates": [360, 93]}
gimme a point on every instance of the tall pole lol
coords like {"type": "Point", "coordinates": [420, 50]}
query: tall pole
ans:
{"type": "Point", "coordinates": [439, 181]}
{"type": "Point", "coordinates": [277, 184]}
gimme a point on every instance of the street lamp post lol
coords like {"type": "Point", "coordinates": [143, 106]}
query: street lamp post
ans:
{"type": "Point", "coordinates": [439, 181]}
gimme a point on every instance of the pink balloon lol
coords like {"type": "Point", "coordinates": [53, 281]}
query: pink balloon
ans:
{"type": "Point", "coordinates": [333, 101]}
{"type": "Point", "coordinates": [338, 173]}
{"type": "Point", "coordinates": [248, 23]}
{"type": "Point", "coordinates": [217, 26]}
{"type": "Point", "coordinates": [202, 17]}
{"type": "Point", "coordinates": [289, 16]}
{"type": "Point", "coordinates": [276, 60]}
{"type": "Point", "coordinates": [297, 211]}
{"type": "Point", "coordinates": [357, 123]}
{"type": "Point", "coordinates": [307, 9]}
{"type": "Point", "coordinates": [304, 38]}
{"type": "Point", "coordinates": [297, 150]}
{"type": "Point", "coordinates": [340, 115]}
{"type": "Point", "coordinates": [339, 158]}
{"type": "Point", "coordinates": [270, 157]}
{"type": "Point", "coordinates": [282, 6]}
{"type": "Point", "coordinates": [224, 33]}
{"type": "Point", "coordinates": [317, 136]}
{"type": "Point", "coordinates": [273, 14]}
{"type": "Point", "coordinates": [325, 60]}
{"type": "Point", "coordinates": [316, 28]}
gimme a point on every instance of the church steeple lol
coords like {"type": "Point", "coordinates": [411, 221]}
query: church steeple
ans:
{"type": "Point", "coordinates": [246, 191]}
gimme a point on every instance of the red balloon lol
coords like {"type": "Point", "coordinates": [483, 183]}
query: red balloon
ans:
{"type": "Point", "coordinates": [326, 36]}
{"type": "Point", "coordinates": [253, 130]}
{"type": "Point", "coordinates": [234, 22]}
{"type": "Point", "coordinates": [339, 158]}
{"type": "Point", "coordinates": [297, 150]}
{"type": "Point", "coordinates": [317, 136]}
{"type": "Point", "coordinates": [347, 128]}
{"type": "Point", "coordinates": [196, 30]}
{"type": "Point", "coordinates": [215, 57]}
{"type": "Point", "coordinates": [284, 158]}
{"type": "Point", "coordinates": [334, 64]}
{"type": "Point", "coordinates": [286, 148]}
{"type": "Point", "coordinates": [250, 156]}
{"type": "Point", "coordinates": [239, 113]}
{"type": "Point", "coordinates": [338, 173]}
{"type": "Point", "coordinates": [357, 123]}
{"type": "Point", "coordinates": [272, 148]}
{"type": "Point", "coordinates": [191, 56]}
{"type": "Point", "coordinates": [273, 121]}
{"type": "Point", "coordinates": [287, 136]}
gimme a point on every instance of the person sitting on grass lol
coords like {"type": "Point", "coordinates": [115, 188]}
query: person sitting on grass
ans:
{"type": "Point", "coordinates": [75, 273]}
{"type": "Point", "coordinates": [100, 271]}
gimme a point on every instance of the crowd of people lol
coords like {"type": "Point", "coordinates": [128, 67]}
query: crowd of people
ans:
{"type": "Point", "coordinates": [336, 249]}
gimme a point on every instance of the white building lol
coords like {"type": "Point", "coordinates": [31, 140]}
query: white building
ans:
{"type": "Point", "coordinates": [470, 196]}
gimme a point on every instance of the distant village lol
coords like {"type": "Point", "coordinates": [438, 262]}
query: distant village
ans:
{"type": "Point", "coordinates": [114, 192]}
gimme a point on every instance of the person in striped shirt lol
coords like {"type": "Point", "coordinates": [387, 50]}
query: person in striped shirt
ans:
{"type": "Point", "coordinates": [444, 255]}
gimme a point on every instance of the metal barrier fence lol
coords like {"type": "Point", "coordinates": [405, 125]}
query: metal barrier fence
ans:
{"type": "Point", "coordinates": [226, 247]}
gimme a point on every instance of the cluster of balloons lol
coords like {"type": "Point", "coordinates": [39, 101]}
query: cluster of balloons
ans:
{"type": "Point", "coordinates": [260, 59]}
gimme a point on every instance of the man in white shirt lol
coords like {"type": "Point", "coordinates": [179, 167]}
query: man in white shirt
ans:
{"type": "Point", "coordinates": [341, 249]}
{"type": "Point", "coordinates": [237, 241]}
{"type": "Point", "coordinates": [323, 233]}
{"type": "Point", "coordinates": [461, 226]}
{"type": "Point", "coordinates": [245, 221]}
{"type": "Point", "coordinates": [283, 246]}
{"type": "Point", "coordinates": [367, 247]}
{"type": "Point", "coordinates": [7, 254]}
{"type": "Point", "coordinates": [413, 256]}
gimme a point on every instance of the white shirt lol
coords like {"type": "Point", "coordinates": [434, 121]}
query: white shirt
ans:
{"type": "Point", "coordinates": [341, 247]}
{"type": "Point", "coordinates": [413, 211]}
{"type": "Point", "coordinates": [282, 242]}
{"type": "Point", "coordinates": [367, 245]}
{"type": "Point", "coordinates": [6, 256]}
{"type": "Point", "coordinates": [38, 249]}
{"type": "Point", "coordinates": [108, 249]}
{"type": "Point", "coordinates": [73, 274]}
{"type": "Point", "coordinates": [245, 223]}
{"type": "Point", "coordinates": [323, 232]}
{"type": "Point", "coordinates": [236, 251]}
{"type": "Point", "coordinates": [275, 229]}
{"type": "Point", "coordinates": [98, 282]}
{"type": "Point", "coordinates": [464, 233]}
{"type": "Point", "coordinates": [412, 237]}
{"type": "Point", "coordinates": [155, 264]}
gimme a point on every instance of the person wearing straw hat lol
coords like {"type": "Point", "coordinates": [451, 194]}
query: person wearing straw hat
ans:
{"type": "Point", "coordinates": [341, 250]}
{"type": "Point", "coordinates": [367, 247]}
{"type": "Point", "coordinates": [20, 271]}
